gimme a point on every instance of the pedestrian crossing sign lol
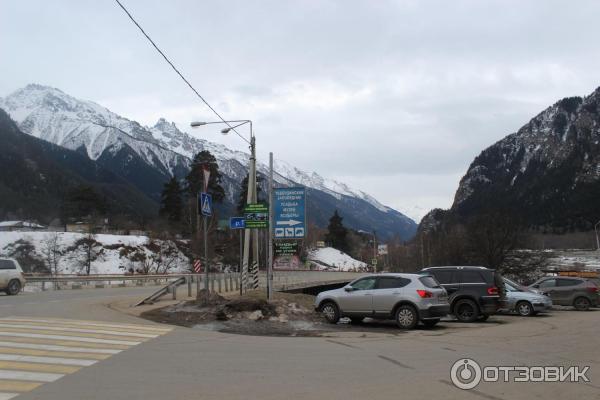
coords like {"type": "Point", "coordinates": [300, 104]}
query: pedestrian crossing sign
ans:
{"type": "Point", "coordinates": [205, 204]}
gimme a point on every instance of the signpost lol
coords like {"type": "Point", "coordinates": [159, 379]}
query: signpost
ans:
{"type": "Point", "coordinates": [286, 248]}
{"type": "Point", "coordinates": [256, 216]}
{"type": "Point", "coordinates": [206, 204]}
{"type": "Point", "coordinates": [239, 223]}
{"type": "Point", "coordinates": [289, 209]}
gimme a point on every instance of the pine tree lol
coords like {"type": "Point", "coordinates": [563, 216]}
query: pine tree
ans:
{"type": "Point", "coordinates": [171, 203]}
{"type": "Point", "coordinates": [336, 235]}
{"type": "Point", "coordinates": [196, 176]}
{"type": "Point", "coordinates": [242, 200]}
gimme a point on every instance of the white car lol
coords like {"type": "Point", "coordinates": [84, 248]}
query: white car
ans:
{"type": "Point", "coordinates": [11, 276]}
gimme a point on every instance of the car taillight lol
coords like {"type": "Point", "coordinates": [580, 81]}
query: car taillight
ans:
{"type": "Point", "coordinates": [592, 289]}
{"type": "Point", "coordinates": [424, 293]}
{"type": "Point", "coordinates": [492, 291]}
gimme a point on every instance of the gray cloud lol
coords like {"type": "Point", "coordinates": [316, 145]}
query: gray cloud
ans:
{"type": "Point", "coordinates": [394, 97]}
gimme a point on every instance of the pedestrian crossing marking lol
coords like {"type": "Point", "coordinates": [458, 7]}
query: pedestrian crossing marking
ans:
{"type": "Point", "coordinates": [53, 353]}
{"type": "Point", "coordinates": [37, 351]}
{"type": "Point", "coordinates": [37, 367]}
{"type": "Point", "coordinates": [18, 386]}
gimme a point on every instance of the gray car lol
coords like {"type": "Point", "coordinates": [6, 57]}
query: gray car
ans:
{"type": "Point", "coordinates": [406, 298]}
{"type": "Point", "coordinates": [580, 293]}
{"type": "Point", "coordinates": [524, 301]}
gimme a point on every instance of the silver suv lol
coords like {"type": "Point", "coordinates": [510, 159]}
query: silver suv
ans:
{"type": "Point", "coordinates": [406, 298]}
{"type": "Point", "coordinates": [11, 276]}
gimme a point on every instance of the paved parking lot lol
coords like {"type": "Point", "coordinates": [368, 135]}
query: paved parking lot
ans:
{"type": "Point", "coordinates": [375, 362]}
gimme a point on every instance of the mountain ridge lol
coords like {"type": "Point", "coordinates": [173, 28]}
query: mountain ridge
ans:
{"type": "Point", "coordinates": [134, 151]}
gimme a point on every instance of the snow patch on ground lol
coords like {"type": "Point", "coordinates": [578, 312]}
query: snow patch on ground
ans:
{"type": "Point", "coordinates": [110, 262]}
{"type": "Point", "coordinates": [332, 259]}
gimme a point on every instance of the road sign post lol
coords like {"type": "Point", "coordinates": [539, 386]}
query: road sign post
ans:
{"type": "Point", "coordinates": [205, 205]}
{"type": "Point", "coordinates": [289, 213]}
{"type": "Point", "coordinates": [240, 224]}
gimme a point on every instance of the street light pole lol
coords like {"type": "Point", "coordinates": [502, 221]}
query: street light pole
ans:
{"type": "Point", "coordinates": [250, 198]}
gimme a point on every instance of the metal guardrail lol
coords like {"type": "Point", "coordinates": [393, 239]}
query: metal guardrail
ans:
{"type": "Point", "coordinates": [218, 281]}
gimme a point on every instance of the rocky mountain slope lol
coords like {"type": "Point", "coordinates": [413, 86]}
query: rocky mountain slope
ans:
{"type": "Point", "coordinates": [148, 156]}
{"type": "Point", "coordinates": [37, 175]}
{"type": "Point", "coordinates": [547, 173]}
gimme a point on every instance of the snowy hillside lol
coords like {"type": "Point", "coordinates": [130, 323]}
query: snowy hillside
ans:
{"type": "Point", "coordinates": [138, 153]}
{"type": "Point", "coordinates": [331, 259]}
{"type": "Point", "coordinates": [110, 262]}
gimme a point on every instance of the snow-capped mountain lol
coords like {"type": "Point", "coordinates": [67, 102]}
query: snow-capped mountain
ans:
{"type": "Point", "coordinates": [148, 156]}
{"type": "Point", "coordinates": [547, 173]}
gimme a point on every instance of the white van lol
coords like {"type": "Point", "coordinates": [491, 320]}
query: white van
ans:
{"type": "Point", "coordinates": [11, 276]}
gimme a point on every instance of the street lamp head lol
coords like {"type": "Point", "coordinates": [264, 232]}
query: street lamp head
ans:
{"type": "Point", "coordinates": [196, 124]}
{"type": "Point", "coordinates": [225, 131]}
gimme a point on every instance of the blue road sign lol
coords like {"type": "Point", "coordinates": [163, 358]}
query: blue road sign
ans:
{"type": "Point", "coordinates": [289, 213]}
{"type": "Point", "coordinates": [237, 223]}
{"type": "Point", "coordinates": [205, 204]}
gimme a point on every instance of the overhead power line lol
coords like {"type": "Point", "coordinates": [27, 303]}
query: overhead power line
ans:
{"type": "Point", "coordinates": [176, 70]}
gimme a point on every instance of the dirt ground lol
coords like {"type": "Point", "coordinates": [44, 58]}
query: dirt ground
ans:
{"type": "Point", "coordinates": [287, 315]}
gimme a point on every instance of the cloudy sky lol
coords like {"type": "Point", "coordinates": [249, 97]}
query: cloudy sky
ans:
{"type": "Point", "coordinates": [392, 97]}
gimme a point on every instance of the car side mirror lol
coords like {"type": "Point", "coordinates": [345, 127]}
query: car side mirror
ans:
{"type": "Point", "coordinates": [348, 288]}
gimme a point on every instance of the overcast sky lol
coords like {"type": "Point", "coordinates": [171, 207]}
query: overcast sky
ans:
{"type": "Point", "coordinates": [392, 97]}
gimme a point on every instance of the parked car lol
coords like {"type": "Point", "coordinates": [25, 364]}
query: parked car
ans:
{"type": "Point", "coordinates": [580, 293]}
{"type": "Point", "coordinates": [524, 301]}
{"type": "Point", "coordinates": [406, 298]}
{"type": "Point", "coordinates": [11, 276]}
{"type": "Point", "coordinates": [474, 292]}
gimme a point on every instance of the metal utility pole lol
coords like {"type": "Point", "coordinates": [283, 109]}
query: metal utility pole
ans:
{"type": "Point", "coordinates": [255, 243]}
{"type": "Point", "coordinates": [375, 250]}
{"type": "Point", "coordinates": [249, 199]}
{"type": "Point", "coordinates": [270, 236]}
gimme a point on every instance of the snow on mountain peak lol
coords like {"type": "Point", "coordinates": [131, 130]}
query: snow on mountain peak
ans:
{"type": "Point", "coordinates": [52, 115]}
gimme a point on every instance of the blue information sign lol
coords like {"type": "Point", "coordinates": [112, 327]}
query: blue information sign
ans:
{"type": "Point", "coordinates": [289, 213]}
{"type": "Point", "coordinates": [205, 204]}
{"type": "Point", "coordinates": [237, 223]}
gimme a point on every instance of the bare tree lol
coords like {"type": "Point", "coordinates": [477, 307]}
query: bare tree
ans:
{"type": "Point", "coordinates": [52, 252]}
{"type": "Point", "coordinates": [89, 250]}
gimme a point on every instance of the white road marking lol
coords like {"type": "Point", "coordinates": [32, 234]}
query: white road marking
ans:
{"type": "Point", "coordinates": [71, 338]}
{"type": "Point", "coordinates": [29, 376]}
{"type": "Point", "coordinates": [79, 330]}
{"type": "Point", "coordinates": [7, 396]}
{"type": "Point", "coordinates": [47, 360]}
{"type": "Point", "coordinates": [53, 347]}
{"type": "Point", "coordinates": [88, 323]}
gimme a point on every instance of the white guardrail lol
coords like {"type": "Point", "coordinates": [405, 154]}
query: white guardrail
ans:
{"type": "Point", "coordinates": [218, 282]}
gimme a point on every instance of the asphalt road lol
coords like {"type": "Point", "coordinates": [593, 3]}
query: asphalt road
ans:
{"type": "Point", "coordinates": [197, 364]}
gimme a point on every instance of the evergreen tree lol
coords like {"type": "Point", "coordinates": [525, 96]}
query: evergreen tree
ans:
{"type": "Point", "coordinates": [242, 200]}
{"type": "Point", "coordinates": [337, 233]}
{"type": "Point", "coordinates": [196, 176]}
{"type": "Point", "coordinates": [171, 203]}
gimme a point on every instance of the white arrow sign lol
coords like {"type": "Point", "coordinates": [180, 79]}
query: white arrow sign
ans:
{"type": "Point", "coordinates": [290, 222]}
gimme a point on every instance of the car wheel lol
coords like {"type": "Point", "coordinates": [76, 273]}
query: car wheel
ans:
{"type": "Point", "coordinates": [430, 323]}
{"type": "Point", "coordinates": [14, 287]}
{"type": "Point", "coordinates": [524, 309]}
{"type": "Point", "coordinates": [582, 304]}
{"type": "Point", "coordinates": [331, 312]}
{"type": "Point", "coordinates": [356, 320]}
{"type": "Point", "coordinates": [406, 317]}
{"type": "Point", "coordinates": [466, 310]}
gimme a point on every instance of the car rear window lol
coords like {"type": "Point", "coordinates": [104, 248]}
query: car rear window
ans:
{"type": "Point", "coordinates": [392, 282]}
{"type": "Point", "coordinates": [472, 277]}
{"type": "Point", "coordinates": [7, 264]}
{"type": "Point", "coordinates": [568, 282]}
{"type": "Point", "coordinates": [429, 281]}
{"type": "Point", "coordinates": [444, 276]}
